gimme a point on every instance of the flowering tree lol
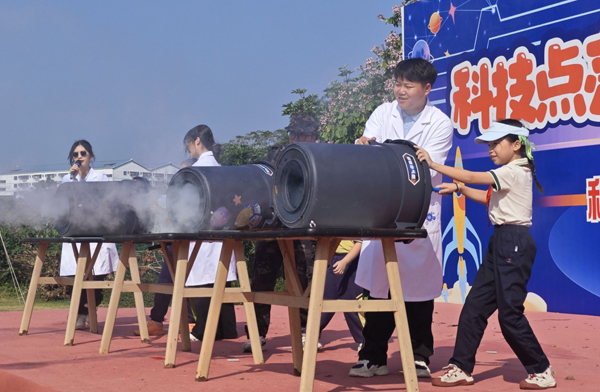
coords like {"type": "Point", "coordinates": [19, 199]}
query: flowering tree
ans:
{"type": "Point", "coordinates": [348, 103]}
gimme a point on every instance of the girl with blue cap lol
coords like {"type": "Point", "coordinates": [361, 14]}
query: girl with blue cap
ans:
{"type": "Point", "coordinates": [501, 282]}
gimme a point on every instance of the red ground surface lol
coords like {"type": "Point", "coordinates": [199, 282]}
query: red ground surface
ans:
{"type": "Point", "coordinates": [39, 361]}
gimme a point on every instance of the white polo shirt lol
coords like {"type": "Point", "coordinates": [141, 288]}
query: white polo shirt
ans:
{"type": "Point", "coordinates": [512, 194]}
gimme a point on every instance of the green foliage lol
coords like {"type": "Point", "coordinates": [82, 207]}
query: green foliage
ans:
{"type": "Point", "coordinates": [310, 104]}
{"type": "Point", "coordinates": [22, 256]}
{"type": "Point", "coordinates": [251, 147]}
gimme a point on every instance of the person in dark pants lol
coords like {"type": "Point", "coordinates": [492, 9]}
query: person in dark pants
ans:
{"type": "Point", "coordinates": [377, 324]}
{"type": "Point", "coordinates": [226, 328]}
{"type": "Point", "coordinates": [267, 256]}
{"type": "Point", "coordinates": [501, 282]}
{"type": "Point", "coordinates": [411, 117]}
{"type": "Point", "coordinates": [339, 284]}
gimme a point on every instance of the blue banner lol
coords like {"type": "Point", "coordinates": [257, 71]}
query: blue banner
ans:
{"type": "Point", "coordinates": [538, 61]}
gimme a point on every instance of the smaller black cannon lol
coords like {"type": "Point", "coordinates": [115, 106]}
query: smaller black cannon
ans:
{"type": "Point", "coordinates": [95, 209]}
{"type": "Point", "coordinates": [352, 186]}
{"type": "Point", "coordinates": [221, 198]}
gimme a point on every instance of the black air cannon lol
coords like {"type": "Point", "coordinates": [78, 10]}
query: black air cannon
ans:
{"type": "Point", "coordinates": [221, 198]}
{"type": "Point", "coordinates": [352, 186]}
{"type": "Point", "coordinates": [95, 209]}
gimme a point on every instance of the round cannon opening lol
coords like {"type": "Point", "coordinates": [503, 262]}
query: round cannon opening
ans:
{"type": "Point", "coordinates": [294, 188]}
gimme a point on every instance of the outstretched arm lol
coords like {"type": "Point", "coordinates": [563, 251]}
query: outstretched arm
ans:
{"type": "Point", "coordinates": [466, 176]}
{"type": "Point", "coordinates": [472, 193]}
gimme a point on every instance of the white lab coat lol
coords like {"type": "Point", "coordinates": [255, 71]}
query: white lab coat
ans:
{"type": "Point", "coordinates": [204, 270]}
{"type": "Point", "coordinates": [108, 257]}
{"type": "Point", "coordinates": [420, 262]}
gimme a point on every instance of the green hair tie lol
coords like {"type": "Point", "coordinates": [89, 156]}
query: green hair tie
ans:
{"type": "Point", "coordinates": [529, 147]}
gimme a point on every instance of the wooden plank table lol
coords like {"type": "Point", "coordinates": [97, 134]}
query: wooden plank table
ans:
{"type": "Point", "coordinates": [83, 280]}
{"type": "Point", "coordinates": [304, 361]}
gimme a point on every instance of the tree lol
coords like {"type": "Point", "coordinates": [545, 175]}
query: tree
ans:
{"type": "Point", "coordinates": [310, 104]}
{"type": "Point", "coordinates": [251, 147]}
{"type": "Point", "coordinates": [347, 103]}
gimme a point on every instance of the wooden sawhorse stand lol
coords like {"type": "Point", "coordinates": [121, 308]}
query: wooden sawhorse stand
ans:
{"type": "Point", "coordinates": [180, 270]}
{"type": "Point", "coordinates": [294, 298]}
{"type": "Point", "coordinates": [83, 280]}
{"type": "Point", "coordinates": [327, 242]}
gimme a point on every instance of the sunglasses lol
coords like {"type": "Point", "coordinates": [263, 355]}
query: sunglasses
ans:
{"type": "Point", "coordinates": [76, 154]}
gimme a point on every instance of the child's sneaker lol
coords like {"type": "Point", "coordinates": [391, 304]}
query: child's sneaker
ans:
{"type": "Point", "coordinates": [81, 320]}
{"type": "Point", "coordinates": [247, 346]}
{"type": "Point", "coordinates": [453, 377]}
{"type": "Point", "coordinates": [364, 368]}
{"type": "Point", "coordinates": [539, 380]}
{"type": "Point", "coordinates": [422, 369]}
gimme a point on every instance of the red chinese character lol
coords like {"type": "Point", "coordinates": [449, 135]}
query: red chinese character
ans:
{"type": "Point", "coordinates": [482, 103]}
{"type": "Point", "coordinates": [500, 82]}
{"type": "Point", "coordinates": [592, 49]}
{"type": "Point", "coordinates": [593, 199]}
{"type": "Point", "coordinates": [557, 56]}
{"type": "Point", "coordinates": [524, 88]}
{"type": "Point", "coordinates": [461, 108]}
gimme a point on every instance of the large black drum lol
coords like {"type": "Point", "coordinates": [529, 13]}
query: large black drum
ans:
{"type": "Point", "coordinates": [352, 186]}
{"type": "Point", "coordinates": [221, 198]}
{"type": "Point", "coordinates": [95, 209]}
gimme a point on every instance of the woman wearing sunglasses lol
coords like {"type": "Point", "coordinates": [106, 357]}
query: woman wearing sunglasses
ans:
{"type": "Point", "coordinates": [80, 156]}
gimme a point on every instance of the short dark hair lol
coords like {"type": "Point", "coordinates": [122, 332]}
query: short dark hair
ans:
{"type": "Point", "coordinates": [86, 145]}
{"type": "Point", "coordinates": [416, 70]}
{"type": "Point", "coordinates": [206, 138]}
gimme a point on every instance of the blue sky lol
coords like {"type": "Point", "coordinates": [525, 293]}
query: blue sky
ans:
{"type": "Point", "coordinates": [132, 77]}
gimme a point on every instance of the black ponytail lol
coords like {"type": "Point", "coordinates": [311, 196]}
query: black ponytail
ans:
{"type": "Point", "coordinates": [206, 138]}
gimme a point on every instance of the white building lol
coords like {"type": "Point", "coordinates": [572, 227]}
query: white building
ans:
{"type": "Point", "coordinates": [17, 180]}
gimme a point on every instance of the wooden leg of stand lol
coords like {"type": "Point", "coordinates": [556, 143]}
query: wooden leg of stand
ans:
{"type": "Point", "coordinates": [314, 315]}
{"type": "Point", "coordinates": [406, 352]}
{"type": "Point", "coordinates": [214, 311]}
{"type": "Point", "coordinates": [292, 283]}
{"type": "Point", "coordinates": [176, 303]}
{"type": "Point", "coordinates": [33, 285]}
{"type": "Point", "coordinates": [242, 272]}
{"type": "Point", "coordinates": [91, 293]}
{"type": "Point", "coordinates": [76, 295]}
{"type": "Point", "coordinates": [115, 297]}
{"type": "Point", "coordinates": [138, 296]}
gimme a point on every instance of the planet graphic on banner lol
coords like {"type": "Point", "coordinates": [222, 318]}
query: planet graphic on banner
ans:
{"type": "Point", "coordinates": [435, 23]}
{"type": "Point", "coordinates": [570, 246]}
{"type": "Point", "coordinates": [420, 51]}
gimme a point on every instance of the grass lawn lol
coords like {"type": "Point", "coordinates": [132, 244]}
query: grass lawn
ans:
{"type": "Point", "coordinates": [10, 302]}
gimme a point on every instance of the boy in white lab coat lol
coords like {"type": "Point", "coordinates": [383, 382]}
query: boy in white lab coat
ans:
{"type": "Point", "coordinates": [410, 117]}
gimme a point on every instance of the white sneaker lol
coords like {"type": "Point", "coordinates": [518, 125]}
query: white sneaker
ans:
{"type": "Point", "coordinates": [364, 368]}
{"type": "Point", "coordinates": [247, 346]}
{"type": "Point", "coordinates": [422, 369]}
{"type": "Point", "coordinates": [453, 377]}
{"type": "Point", "coordinates": [81, 320]}
{"type": "Point", "coordinates": [193, 338]}
{"type": "Point", "coordinates": [539, 380]}
{"type": "Point", "coordinates": [319, 344]}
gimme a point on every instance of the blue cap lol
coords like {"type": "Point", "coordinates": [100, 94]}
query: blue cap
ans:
{"type": "Point", "coordinates": [498, 131]}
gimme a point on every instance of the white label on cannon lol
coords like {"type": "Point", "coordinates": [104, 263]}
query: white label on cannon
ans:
{"type": "Point", "coordinates": [411, 167]}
